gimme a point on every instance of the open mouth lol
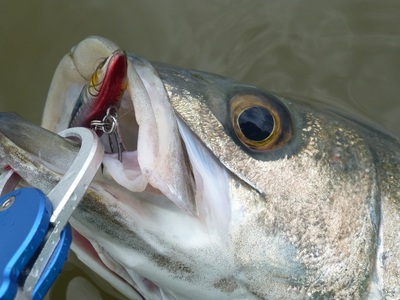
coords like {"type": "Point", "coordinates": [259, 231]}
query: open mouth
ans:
{"type": "Point", "coordinates": [142, 122]}
{"type": "Point", "coordinates": [155, 158]}
{"type": "Point", "coordinates": [166, 182]}
{"type": "Point", "coordinates": [162, 157]}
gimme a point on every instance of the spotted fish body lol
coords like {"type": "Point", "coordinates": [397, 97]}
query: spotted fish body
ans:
{"type": "Point", "coordinates": [308, 208]}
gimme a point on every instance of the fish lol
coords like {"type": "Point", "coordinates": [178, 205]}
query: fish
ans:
{"type": "Point", "coordinates": [225, 190]}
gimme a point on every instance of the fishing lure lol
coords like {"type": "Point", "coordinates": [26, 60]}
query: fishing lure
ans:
{"type": "Point", "coordinates": [104, 90]}
{"type": "Point", "coordinates": [98, 102]}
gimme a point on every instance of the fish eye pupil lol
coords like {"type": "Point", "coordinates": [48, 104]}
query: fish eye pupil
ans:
{"type": "Point", "coordinates": [256, 123]}
{"type": "Point", "coordinates": [102, 63]}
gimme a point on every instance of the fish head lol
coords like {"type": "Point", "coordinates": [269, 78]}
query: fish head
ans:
{"type": "Point", "coordinates": [225, 191]}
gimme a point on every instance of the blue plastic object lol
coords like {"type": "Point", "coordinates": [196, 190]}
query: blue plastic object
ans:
{"type": "Point", "coordinates": [24, 221]}
{"type": "Point", "coordinates": [23, 226]}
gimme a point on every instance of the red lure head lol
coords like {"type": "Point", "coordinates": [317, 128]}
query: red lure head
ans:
{"type": "Point", "coordinates": [105, 89]}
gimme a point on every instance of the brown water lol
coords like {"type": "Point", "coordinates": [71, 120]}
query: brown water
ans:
{"type": "Point", "coordinates": [341, 53]}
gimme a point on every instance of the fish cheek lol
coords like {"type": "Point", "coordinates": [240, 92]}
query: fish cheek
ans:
{"type": "Point", "coordinates": [266, 258]}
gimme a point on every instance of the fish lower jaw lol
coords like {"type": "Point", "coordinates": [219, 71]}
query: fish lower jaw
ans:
{"type": "Point", "coordinates": [94, 256]}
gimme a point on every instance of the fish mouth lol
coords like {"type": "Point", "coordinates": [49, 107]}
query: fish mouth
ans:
{"type": "Point", "coordinates": [162, 153]}
{"type": "Point", "coordinates": [168, 185]}
{"type": "Point", "coordinates": [155, 159]}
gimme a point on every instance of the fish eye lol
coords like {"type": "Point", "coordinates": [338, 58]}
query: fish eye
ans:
{"type": "Point", "coordinates": [260, 122]}
{"type": "Point", "coordinates": [97, 78]}
{"type": "Point", "coordinates": [101, 63]}
{"type": "Point", "coordinates": [256, 123]}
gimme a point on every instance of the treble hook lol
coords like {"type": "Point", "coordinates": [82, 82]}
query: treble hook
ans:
{"type": "Point", "coordinates": [109, 125]}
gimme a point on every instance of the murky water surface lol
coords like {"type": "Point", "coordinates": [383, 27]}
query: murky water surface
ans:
{"type": "Point", "coordinates": [344, 54]}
